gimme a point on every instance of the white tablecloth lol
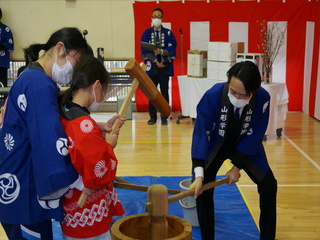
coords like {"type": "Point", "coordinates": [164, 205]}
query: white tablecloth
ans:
{"type": "Point", "coordinates": [192, 89]}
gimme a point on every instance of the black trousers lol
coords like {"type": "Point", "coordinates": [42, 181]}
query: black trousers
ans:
{"type": "Point", "coordinates": [267, 189]}
{"type": "Point", "coordinates": [4, 76]}
{"type": "Point", "coordinates": [162, 79]}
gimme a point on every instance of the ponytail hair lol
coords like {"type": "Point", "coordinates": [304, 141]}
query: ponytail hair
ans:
{"type": "Point", "coordinates": [31, 54]}
{"type": "Point", "coordinates": [70, 36]}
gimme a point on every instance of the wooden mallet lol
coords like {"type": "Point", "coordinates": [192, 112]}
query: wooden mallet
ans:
{"type": "Point", "coordinates": [140, 79]}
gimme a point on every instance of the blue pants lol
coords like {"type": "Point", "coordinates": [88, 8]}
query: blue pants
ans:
{"type": "Point", "coordinates": [37, 231]}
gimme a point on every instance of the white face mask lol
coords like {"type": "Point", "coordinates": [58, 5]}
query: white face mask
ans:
{"type": "Point", "coordinates": [156, 22]}
{"type": "Point", "coordinates": [238, 103]}
{"type": "Point", "coordinates": [95, 105]}
{"type": "Point", "coordinates": [62, 74]}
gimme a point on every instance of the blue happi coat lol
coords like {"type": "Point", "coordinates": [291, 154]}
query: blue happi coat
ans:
{"type": "Point", "coordinates": [6, 39]}
{"type": "Point", "coordinates": [34, 158]}
{"type": "Point", "coordinates": [210, 128]}
{"type": "Point", "coordinates": [168, 44]}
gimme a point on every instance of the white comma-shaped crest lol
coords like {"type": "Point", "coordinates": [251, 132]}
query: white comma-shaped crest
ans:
{"type": "Point", "coordinates": [9, 188]}
{"type": "Point", "coordinates": [22, 102]}
{"type": "Point", "coordinates": [148, 66]}
{"type": "Point", "coordinates": [62, 146]}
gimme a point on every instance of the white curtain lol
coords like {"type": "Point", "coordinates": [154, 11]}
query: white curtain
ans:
{"type": "Point", "coordinates": [199, 35]}
{"type": "Point", "coordinates": [317, 103]}
{"type": "Point", "coordinates": [308, 65]}
{"type": "Point", "coordinates": [238, 32]}
{"type": "Point", "coordinates": [279, 65]}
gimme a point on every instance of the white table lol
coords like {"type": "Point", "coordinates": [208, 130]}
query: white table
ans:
{"type": "Point", "coordinates": [192, 89]}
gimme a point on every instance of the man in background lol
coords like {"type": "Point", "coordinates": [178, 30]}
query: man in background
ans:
{"type": "Point", "coordinates": [6, 45]}
{"type": "Point", "coordinates": [159, 59]}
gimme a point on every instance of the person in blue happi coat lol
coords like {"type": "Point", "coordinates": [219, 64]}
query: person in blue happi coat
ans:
{"type": "Point", "coordinates": [35, 166]}
{"type": "Point", "coordinates": [159, 61]}
{"type": "Point", "coordinates": [232, 118]}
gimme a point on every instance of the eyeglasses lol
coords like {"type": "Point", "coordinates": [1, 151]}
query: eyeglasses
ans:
{"type": "Point", "coordinates": [157, 16]}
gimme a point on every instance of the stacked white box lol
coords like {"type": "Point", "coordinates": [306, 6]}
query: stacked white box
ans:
{"type": "Point", "coordinates": [197, 63]}
{"type": "Point", "coordinates": [221, 57]}
{"type": "Point", "coordinates": [218, 70]}
{"type": "Point", "coordinates": [224, 51]}
{"type": "Point", "coordinates": [256, 58]}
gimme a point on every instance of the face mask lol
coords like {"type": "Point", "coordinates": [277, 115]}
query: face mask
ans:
{"type": "Point", "coordinates": [62, 74]}
{"type": "Point", "coordinates": [95, 105]}
{"type": "Point", "coordinates": [238, 103]}
{"type": "Point", "coordinates": [156, 22]}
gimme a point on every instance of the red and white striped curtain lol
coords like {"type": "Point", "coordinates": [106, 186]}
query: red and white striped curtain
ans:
{"type": "Point", "coordinates": [300, 57]}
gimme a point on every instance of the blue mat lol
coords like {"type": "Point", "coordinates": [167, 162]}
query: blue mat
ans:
{"type": "Point", "coordinates": [233, 219]}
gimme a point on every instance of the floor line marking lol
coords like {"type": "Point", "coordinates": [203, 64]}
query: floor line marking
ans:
{"type": "Point", "coordinates": [155, 142]}
{"type": "Point", "coordinates": [282, 185]}
{"type": "Point", "coordinates": [302, 152]}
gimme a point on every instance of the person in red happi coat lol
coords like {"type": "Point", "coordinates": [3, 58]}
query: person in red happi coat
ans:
{"type": "Point", "coordinates": [91, 150]}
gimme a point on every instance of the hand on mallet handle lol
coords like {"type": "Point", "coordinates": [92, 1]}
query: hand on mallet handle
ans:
{"type": "Point", "coordinates": [233, 174]}
{"type": "Point", "coordinates": [191, 191]}
{"type": "Point", "coordinates": [106, 127]}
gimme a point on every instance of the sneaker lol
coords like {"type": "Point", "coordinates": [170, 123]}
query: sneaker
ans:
{"type": "Point", "coordinates": [164, 122]}
{"type": "Point", "coordinates": [152, 121]}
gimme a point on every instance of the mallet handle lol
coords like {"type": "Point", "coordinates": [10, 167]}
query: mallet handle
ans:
{"type": "Point", "coordinates": [82, 199]}
{"type": "Point", "coordinates": [129, 186]}
{"type": "Point", "coordinates": [125, 104]}
{"type": "Point", "coordinates": [128, 99]}
{"type": "Point", "coordinates": [190, 192]}
{"type": "Point", "coordinates": [118, 179]}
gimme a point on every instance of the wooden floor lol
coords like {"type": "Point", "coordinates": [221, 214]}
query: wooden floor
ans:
{"type": "Point", "coordinates": [295, 159]}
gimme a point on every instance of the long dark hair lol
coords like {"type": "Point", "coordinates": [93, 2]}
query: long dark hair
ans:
{"type": "Point", "coordinates": [87, 71]}
{"type": "Point", "coordinates": [248, 73]}
{"type": "Point", "coordinates": [70, 36]}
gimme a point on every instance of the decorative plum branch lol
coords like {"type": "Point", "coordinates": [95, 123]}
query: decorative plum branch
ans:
{"type": "Point", "coordinates": [272, 38]}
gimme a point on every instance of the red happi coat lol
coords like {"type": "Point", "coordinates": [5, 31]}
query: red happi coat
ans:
{"type": "Point", "coordinates": [95, 161]}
